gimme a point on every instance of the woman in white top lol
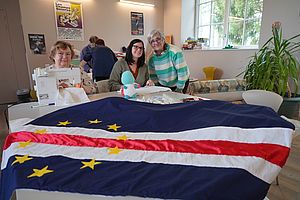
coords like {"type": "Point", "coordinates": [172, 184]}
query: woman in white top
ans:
{"type": "Point", "coordinates": [62, 54]}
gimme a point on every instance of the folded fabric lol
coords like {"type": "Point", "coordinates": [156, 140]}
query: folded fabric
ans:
{"type": "Point", "coordinates": [151, 89]}
{"type": "Point", "coordinates": [70, 96]}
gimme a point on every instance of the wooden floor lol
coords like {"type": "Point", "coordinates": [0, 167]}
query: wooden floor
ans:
{"type": "Point", "coordinates": [289, 177]}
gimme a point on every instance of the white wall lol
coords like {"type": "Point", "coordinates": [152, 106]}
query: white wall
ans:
{"type": "Point", "coordinates": [232, 62]}
{"type": "Point", "coordinates": [187, 20]}
{"type": "Point", "coordinates": [229, 63]}
{"type": "Point", "coordinates": [111, 20]}
{"type": "Point", "coordinates": [172, 15]}
{"type": "Point", "coordinates": [287, 12]}
{"type": "Point", "coordinates": [108, 19]}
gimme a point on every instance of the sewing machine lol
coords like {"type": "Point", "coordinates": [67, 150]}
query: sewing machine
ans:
{"type": "Point", "coordinates": [47, 82]}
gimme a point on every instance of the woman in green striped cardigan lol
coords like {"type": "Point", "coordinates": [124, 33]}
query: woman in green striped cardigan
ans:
{"type": "Point", "coordinates": [167, 66]}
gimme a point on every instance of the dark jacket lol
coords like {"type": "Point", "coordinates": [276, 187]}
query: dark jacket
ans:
{"type": "Point", "coordinates": [85, 51]}
{"type": "Point", "coordinates": [103, 59]}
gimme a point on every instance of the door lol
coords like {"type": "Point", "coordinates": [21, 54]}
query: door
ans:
{"type": "Point", "coordinates": [8, 78]}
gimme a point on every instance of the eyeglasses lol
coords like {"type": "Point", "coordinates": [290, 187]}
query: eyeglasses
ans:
{"type": "Point", "coordinates": [64, 54]}
{"type": "Point", "coordinates": [137, 47]}
{"type": "Point", "coordinates": [157, 40]}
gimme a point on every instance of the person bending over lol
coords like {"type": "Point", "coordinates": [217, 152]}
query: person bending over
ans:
{"type": "Point", "coordinates": [167, 66]}
{"type": "Point", "coordinates": [103, 59]}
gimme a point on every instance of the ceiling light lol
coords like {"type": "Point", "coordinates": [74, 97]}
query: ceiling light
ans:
{"type": "Point", "coordinates": [137, 3]}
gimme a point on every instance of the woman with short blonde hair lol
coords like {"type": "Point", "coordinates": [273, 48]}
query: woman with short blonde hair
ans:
{"type": "Point", "coordinates": [58, 48]}
{"type": "Point", "coordinates": [61, 54]}
{"type": "Point", "coordinates": [167, 66]}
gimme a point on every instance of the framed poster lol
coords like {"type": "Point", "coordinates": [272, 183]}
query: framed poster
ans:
{"type": "Point", "coordinates": [37, 43]}
{"type": "Point", "coordinates": [69, 22]}
{"type": "Point", "coordinates": [137, 23]}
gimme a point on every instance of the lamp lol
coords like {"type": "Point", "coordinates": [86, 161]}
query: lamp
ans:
{"type": "Point", "coordinates": [137, 3]}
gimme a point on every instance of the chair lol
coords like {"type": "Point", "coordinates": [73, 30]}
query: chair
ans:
{"type": "Point", "coordinates": [102, 86]}
{"type": "Point", "coordinates": [209, 72]}
{"type": "Point", "coordinates": [263, 98]}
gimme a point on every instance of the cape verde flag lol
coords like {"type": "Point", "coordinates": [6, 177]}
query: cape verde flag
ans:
{"type": "Point", "coordinates": [116, 147]}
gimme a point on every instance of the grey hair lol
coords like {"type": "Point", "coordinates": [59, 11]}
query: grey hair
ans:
{"type": "Point", "coordinates": [156, 33]}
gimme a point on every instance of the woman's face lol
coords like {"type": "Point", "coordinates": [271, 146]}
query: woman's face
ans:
{"type": "Point", "coordinates": [137, 50]}
{"type": "Point", "coordinates": [157, 43]}
{"type": "Point", "coordinates": [63, 57]}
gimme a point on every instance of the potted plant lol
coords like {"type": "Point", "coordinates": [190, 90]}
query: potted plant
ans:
{"type": "Point", "coordinates": [275, 67]}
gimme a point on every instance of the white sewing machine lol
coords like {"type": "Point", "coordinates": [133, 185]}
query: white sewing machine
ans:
{"type": "Point", "coordinates": [47, 81]}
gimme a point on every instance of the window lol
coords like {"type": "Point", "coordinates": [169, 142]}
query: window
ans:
{"type": "Point", "coordinates": [229, 22]}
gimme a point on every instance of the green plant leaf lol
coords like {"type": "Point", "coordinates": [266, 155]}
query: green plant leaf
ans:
{"type": "Point", "coordinates": [274, 66]}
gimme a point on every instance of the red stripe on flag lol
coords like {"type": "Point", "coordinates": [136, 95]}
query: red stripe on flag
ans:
{"type": "Point", "coordinates": [273, 153]}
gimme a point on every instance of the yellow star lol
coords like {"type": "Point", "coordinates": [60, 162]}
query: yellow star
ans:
{"type": "Point", "coordinates": [40, 131]}
{"type": "Point", "coordinates": [115, 150]}
{"type": "Point", "coordinates": [65, 123]}
{"type": "Point", "coordinates": [24, 144]}
{"type": "Point", "coordinates": [90, 164]}
{"type": "Point", "coordinates": [96, 121]}
{"type": "Point", "coordinates": [21, 159]}
{"type": "Point", "coordinates": [113, 127]}
{"type": "Point", "coordinates": [123, 137]}
{"type": "Point", "coordinates": [40, 172]}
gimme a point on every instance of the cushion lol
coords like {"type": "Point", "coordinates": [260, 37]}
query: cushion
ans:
{"type": "Point", "coordinates": [215, 86]}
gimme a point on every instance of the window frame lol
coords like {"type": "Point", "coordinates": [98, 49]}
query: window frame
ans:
{"type": "Point", "coordinates": [225, 24]}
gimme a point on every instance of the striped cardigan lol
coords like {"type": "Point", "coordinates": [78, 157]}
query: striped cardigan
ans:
{"type": "Point", "coordinates": [170, 68]}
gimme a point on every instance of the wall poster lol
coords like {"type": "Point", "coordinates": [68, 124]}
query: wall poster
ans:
{"type": "Point", "coordinates": [37, 43]}
{"type": "Point", "coordinates": [69, 21]}
{"type": "Point", "coordinates": [137, 23]}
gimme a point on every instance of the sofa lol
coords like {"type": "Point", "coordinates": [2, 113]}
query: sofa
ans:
{"type": "Point", "coordinates": [223, 89]}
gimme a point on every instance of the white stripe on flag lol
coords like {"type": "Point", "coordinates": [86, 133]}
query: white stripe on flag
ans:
{"type": "Point", "coordinates": [280, 136]}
